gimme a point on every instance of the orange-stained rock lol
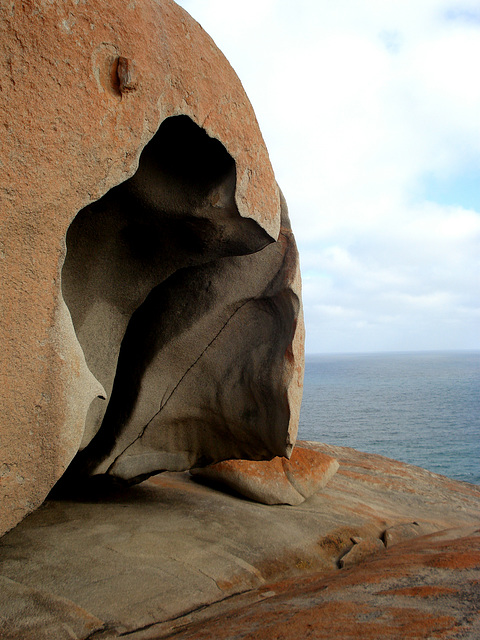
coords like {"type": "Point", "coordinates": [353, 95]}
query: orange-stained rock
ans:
{"type": "Point", "coordinates": [363, 549]}
{"type": "Point", "coordinates": [84, 87]}
{"type": "Point", "coordinates": [403, 594]}
{"type": "Point", "coordinates": [157, 556]}
{"type": "Point", "coordinates": [277, 481]}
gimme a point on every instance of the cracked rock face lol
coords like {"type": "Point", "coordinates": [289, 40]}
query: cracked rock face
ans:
{"type": "Point", "coordinates": [151, 311]}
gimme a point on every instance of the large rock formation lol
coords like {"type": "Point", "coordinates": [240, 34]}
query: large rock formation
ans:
{"type": "Point", "coordinates": [151, 314]}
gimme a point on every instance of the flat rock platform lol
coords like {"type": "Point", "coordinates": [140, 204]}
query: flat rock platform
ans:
{"type": "Point", "coordinates": [385, 550]}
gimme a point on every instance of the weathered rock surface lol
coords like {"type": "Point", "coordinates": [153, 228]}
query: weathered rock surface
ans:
{"type": "Point", "coordinates": [29, 614]}
{"type": "Point", "coordinates": [363, 548]}
{"type": "Point", "coordinates": [405, 531]}
{"type": "Point", "coordinates": [137, 312]}
{"type": "Point", "coordinates": [277, 481]}
{"type": "Point", "coordinates": [422, 590]}
{"type": "Point", "coordinates": [170, 552]}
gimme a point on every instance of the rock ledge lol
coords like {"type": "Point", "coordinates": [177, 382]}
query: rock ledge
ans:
{"type": "Point", "coordinates": [174, 558]}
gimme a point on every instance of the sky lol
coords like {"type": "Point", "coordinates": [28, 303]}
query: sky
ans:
{"type": "Point", "coordinates": [370, 110]}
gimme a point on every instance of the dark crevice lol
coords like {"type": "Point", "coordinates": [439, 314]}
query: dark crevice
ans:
{"type": "Point", "coordinates": [189, 612]}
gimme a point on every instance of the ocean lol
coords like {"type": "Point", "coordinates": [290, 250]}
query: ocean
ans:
{"type": "Point", "coordinates": [422, 408]}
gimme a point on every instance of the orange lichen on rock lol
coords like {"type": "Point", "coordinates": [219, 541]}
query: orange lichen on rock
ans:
{"type": "Point", "coordinates": [420, 591]}
{"type": "Point", "coordinates": [276, 481]}
{"type": "Point", "coordinates": [348, 605]}
{"type": "Point", "coordinates": [363, 549]}
{"type": "Point", "coordinates": [181, 546]}
{"type": "Point", "coordinates": [88, 91]}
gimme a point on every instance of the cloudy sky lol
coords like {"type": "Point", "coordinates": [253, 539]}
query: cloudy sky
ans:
{"type": "Point", "coordinates": [371, 113]}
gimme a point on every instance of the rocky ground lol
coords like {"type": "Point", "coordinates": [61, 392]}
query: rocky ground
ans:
{"type": "Point", "coordinates": [385, 550]}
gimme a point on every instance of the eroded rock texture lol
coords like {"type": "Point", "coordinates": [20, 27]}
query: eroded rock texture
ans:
{"type": "Point", "coordinates": [173, 558]}
{"type": "Point", "coordinates": [184, 312]}
{"type": "Point", "coordinates": [276, 481]}
{"type": "Point", "coordinates": [151, 313]}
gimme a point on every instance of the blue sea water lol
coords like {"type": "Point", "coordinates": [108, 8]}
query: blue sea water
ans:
{"type": "Point", "coordinates": [422, 407]}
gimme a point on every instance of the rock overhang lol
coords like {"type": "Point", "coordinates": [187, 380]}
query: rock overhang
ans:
{"type": "Point", "coordinates": [86, 89]}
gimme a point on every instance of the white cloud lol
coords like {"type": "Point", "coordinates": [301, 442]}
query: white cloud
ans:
{"type": "Point", "coordinates": [360, 103]}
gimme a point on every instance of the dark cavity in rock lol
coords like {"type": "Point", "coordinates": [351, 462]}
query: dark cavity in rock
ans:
{"type": "Point", "coordinates": [184, 312]}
